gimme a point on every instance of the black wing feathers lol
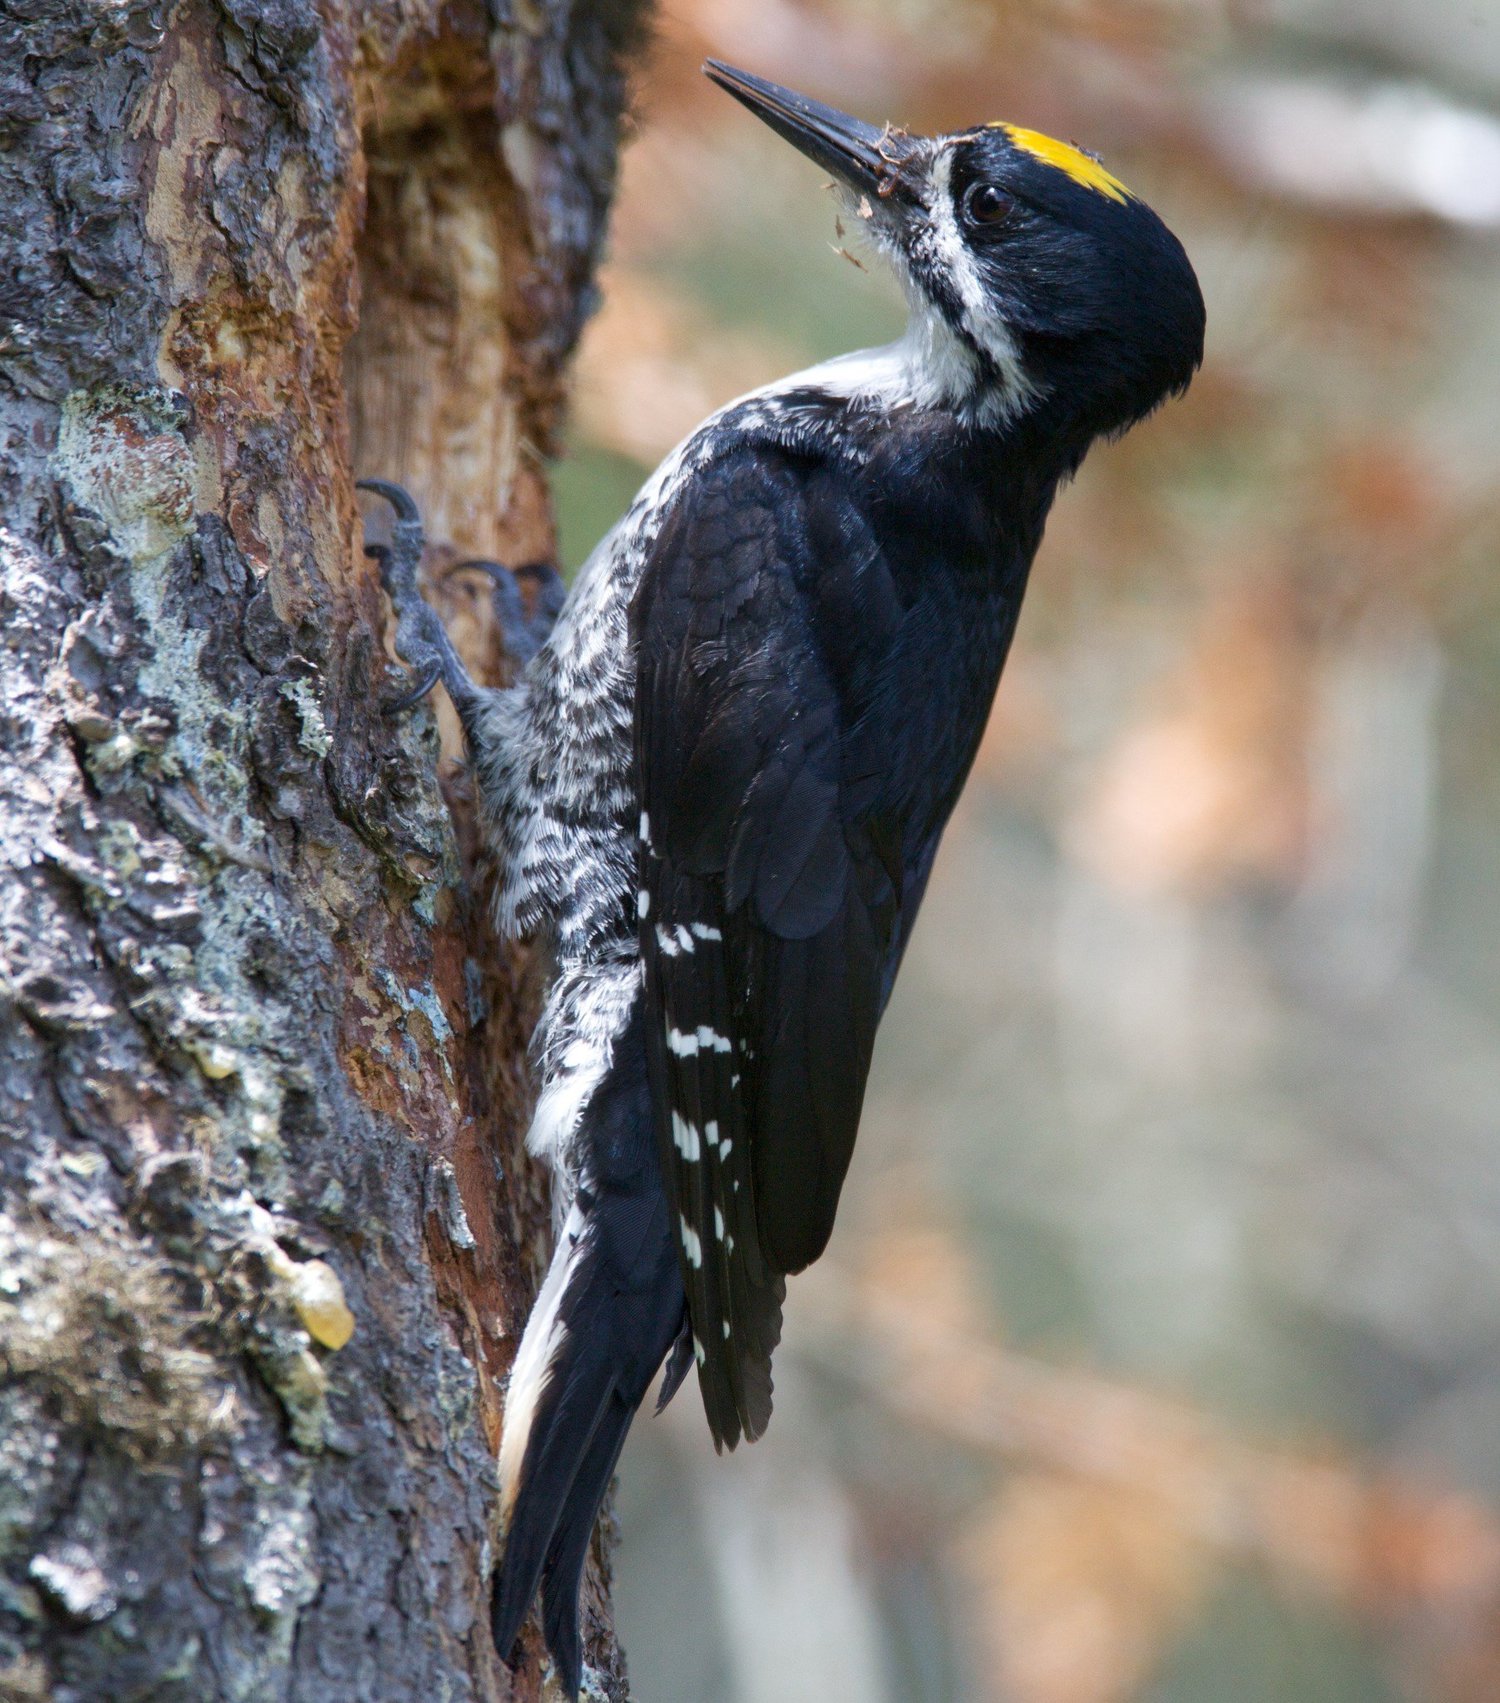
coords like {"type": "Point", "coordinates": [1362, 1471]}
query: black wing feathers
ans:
{"type": "Point", "coordinates": [770, 876]}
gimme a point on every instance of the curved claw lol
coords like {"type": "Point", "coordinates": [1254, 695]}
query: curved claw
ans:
{"type": "Point", "coordinates": [426, 678]}
{"type": "Point", "coordinates": [524, 634]}
{"type": "Point", "coordinates": [399, 499]}
{"type": "Point", "coordinates": [552, 593]}
{"type": "Point", "coordinates": [495, 571]}
{"type": "Point", "coordinates": [420, 638]}
{"type": "Point", "coordinates": [541, 573]}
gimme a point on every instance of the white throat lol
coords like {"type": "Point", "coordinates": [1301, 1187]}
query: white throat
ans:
{"type": "Point", "coordinates": [928, 366]}
{"type": "Point", "coordinates": [932, 365]}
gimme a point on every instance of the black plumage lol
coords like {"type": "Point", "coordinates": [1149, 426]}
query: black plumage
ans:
{"type": "Point", "coordinates": [815, 663]}
{"type": "Point", "coordinates": [620, 1313]}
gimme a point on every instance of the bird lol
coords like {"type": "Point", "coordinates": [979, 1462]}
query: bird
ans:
{"type": "Point", "coordinates": [717, 782]}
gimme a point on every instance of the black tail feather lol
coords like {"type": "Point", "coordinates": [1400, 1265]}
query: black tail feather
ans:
{"type": "Point", "coordinates": [619, 1313]}
{"type": "Point", "coordinates": [563, 1577]}
{"type": "Point", "coordinates": [562, 1432]}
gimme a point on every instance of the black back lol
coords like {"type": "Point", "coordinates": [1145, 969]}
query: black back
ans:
{"type": "Point", "coordinates": [820, 628]}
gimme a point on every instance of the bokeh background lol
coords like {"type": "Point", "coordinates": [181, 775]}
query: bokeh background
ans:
{"type": "Point", "coordinates": [1157, 1354]}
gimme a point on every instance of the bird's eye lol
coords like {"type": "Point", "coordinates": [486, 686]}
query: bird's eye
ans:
{"type": "Point", "coordinates": [986, 205]}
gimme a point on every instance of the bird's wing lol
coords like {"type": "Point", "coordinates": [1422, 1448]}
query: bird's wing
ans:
{"type": "Point", "coordinates": [770, 881]}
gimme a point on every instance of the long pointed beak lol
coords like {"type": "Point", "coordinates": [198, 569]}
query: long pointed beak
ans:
{"type": "Point", "coordinates": [856, 153]}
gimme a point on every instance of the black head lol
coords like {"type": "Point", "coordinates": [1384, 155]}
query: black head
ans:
{"type": "Point", "coordinates": [1038, 280]}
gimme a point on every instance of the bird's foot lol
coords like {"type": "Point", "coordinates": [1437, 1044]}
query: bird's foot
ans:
{"type": "Point", "coordinates": [524, 634]}
{"type": "Point", "coordinates": [422, 641]}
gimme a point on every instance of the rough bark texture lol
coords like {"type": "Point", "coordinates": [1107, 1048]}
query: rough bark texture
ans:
{"type": "Point", "coordinates": [259, 1061]}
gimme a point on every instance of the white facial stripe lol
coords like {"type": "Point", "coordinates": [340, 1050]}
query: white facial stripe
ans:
{"type": "Point", "coordinates": [979, 318]}
{"type": "Point", "coordinates": [930, 365]}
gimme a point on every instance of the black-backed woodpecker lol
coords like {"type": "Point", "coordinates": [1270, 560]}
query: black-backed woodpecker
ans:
{"type": "Point", "coordinates": [717, 786]}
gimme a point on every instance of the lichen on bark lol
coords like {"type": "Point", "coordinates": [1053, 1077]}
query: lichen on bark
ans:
{"type": "Point", "coordinates": [267, 1234]}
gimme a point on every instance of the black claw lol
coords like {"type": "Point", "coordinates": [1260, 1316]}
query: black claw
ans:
{"type": "Point", "coordinates": [524, 635]}
{"type": "Point", "coordinates": [400, 559]}
{"type": "Point", "coordinates": [552, 593]}
{"type": "Point", "coordinates": [426, 678]}
{"type": "Point", "coordinates": [398, 498]}
{"type": "Point", "coordinates": [542, 572]}
{"type": "Point", "coordinates": [496, 571]}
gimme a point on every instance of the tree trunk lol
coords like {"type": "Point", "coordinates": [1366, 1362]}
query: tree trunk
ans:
{"type": "Point", "coordinates": [267, 1232]}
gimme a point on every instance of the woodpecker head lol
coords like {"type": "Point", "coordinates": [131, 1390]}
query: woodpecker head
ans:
{"type": "Point", "coordinates": [1037, 280]}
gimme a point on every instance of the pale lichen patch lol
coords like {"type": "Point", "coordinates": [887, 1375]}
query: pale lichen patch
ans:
{"type": "Point", "coordinates": [123, 455]}
{"type": "Point", "coordinates": [101, 1325]}
{"type": "Point", "coordinates": [313, 735]}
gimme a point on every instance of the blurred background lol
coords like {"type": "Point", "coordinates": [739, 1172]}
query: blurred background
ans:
{"type": "Point", "coordinates": [1157, 1353]}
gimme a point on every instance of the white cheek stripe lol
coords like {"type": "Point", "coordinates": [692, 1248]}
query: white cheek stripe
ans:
{"type": "Point", "coordinates": [980, 320]}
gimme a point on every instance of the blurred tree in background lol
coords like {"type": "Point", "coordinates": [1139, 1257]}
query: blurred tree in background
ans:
{"type": "Point", "coordinates": [1154, 1357]}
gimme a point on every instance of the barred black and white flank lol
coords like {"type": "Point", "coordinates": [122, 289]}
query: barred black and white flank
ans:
{"type": "Point", "coordinates": [718, 787]}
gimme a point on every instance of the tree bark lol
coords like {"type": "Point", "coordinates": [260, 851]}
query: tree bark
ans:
{"type": "Point", "coordinates": [267, 1230]}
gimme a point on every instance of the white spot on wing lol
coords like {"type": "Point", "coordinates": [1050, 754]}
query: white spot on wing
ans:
{"type": "Point", "coordinates": [691, 1245]}
{"type": "Point", "coordinates": [685, 1137]}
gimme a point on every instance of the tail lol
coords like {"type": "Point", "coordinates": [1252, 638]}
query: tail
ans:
{"type": "Point", "coordinates": [611, 1307]}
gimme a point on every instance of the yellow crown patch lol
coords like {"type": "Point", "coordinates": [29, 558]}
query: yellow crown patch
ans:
{"type": "Point", "coordinates": [1064, 157]}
